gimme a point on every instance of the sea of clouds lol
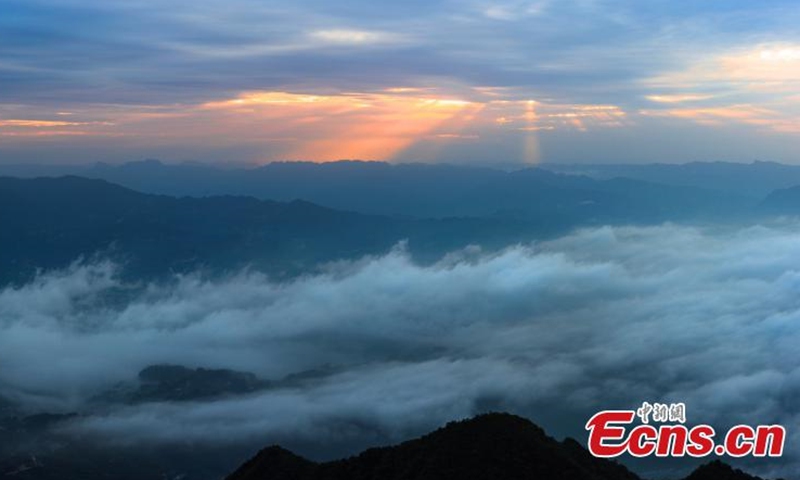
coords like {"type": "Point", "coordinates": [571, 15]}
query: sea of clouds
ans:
{"type": "Point", "coordinates": [603, 318]}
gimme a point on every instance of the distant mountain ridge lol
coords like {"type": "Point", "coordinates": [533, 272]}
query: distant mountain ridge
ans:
{"type": "Point", "coordinates": [754, 180]}
{"type": "Point", "coordinates": [47, 223]}
{"type": "Point", "coordinates": [494, 446]}
{"type": "Point", "coordinates": [422, 190]}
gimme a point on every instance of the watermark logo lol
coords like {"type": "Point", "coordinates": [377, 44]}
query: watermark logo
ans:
{"type": "Point", "coordinates": [662, 431]}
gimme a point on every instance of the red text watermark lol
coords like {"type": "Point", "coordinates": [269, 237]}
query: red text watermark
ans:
{"type": "Point", "coordinates": [612, 433]}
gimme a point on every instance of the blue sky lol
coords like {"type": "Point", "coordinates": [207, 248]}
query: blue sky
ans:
{"type": "Point", "coordinates": [503, 82]}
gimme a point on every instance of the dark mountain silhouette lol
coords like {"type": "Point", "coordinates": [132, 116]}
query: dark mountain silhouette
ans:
{"type": "Point", "coordinates": [487, 447]}
{"type": "Point", "coordinates": [717, 470]}
{"type": "Point", "coordinates": [49, 222]}
{"type": "Point", "coordinates": [490, 446]}
{"type": "Point", "coordinates": [755, 180]}
{"type": "Point", "coordinates": [176, 383]}
{"type": "Point", "coordinates": [425, 191]}
{"type": "Point", "coordinates": [116, 463]}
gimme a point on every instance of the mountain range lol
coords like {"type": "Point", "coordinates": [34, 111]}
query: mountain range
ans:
{"type": "Point", "coordinates": [289, 218]}
{"type": "Point", "coordinates": [429, 191]}
{"type": "Point", "coordinates": [293, 219]}
{"type": "Point", "coordinates": [754, 180]}
{"type": "Point", "coordinates": [50, 222]}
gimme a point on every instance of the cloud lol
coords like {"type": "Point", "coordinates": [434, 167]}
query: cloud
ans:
{"type": "Point", "coordinates": [352, 37]}
{"type": "Point", "coordinates": [602, 318]}
{"type": "Point", "coordinates": [752, 85]}
{"type": "Point", "coordinates": [509, 11]}
{"type": "Point", "coordinates": [82, 56]}
{"type": "Point", "coordinates": [47, 128]}
{"type": "Point", "coordinates": [321, 126]}
{"type": "Point", "coordinates": [678, 98]}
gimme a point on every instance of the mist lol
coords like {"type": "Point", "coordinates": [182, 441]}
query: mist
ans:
{"type": "Point", "coordinates": [603, 318]}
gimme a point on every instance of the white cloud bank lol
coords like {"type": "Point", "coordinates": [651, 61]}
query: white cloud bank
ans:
{"type": "Point", "coordinates": [603, 318]}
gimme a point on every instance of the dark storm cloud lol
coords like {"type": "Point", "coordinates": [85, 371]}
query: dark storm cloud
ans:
{"type": "Point", "coordinates": [603, 318]}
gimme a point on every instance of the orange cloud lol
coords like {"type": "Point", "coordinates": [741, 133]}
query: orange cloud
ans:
{"type": "Point", "coordinates": [733, 112]}
{"type": "Point", "coordinates": [35, 123]}
{"type": "Point", "coordinates": [45, 123]}
{"type": "Point", "coordinates": [530, 115]}
{"type": "Point", "coordinates": [46, 128]}
{"type": "Point", "coordinates": [325, 126]}
{"type": "Point", "coordinates": [747, 114]}
{"type": "Point", "coordinates": [346, 125]}
{"type": "Point", "coordinates": [740, 69]}
{"type": "Point", "coordinates": [767, 76]}
{"type": "Point", "coordinates": [678, 98]}
{"type": "Point", "coordinates": [775, 65]}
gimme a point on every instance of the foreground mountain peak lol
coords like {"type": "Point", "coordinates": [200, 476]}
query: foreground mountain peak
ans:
{"type": "Point", "coordinates": [487, 447]}
{"type": "Point", "coordinates": [490, 446]}
{"type": "Point", "coordinates": [717, 470]}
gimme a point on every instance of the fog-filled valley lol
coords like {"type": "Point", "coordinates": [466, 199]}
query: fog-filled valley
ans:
{"type": "Point", "coordinates": [164, 335]}
{"type": "Point", "coordinates": [409, 240]}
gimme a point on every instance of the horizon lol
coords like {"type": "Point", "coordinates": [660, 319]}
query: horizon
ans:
{"type": "Point", "coordinates": [336, 225]}
{"type": "Point", "coordinates": [510, 167]}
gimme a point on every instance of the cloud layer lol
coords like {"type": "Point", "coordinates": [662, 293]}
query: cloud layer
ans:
{"type": "Point", "coordinates": [603, 318]}
{"type": "Point", "coordinates": [81, 81]}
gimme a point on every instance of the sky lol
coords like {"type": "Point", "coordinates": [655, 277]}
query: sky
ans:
{"type": "Point", "coordinates": [469, 81]}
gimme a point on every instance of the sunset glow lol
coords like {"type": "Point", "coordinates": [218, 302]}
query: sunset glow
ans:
{"type": "Point", "coordinates": [511, 82]}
